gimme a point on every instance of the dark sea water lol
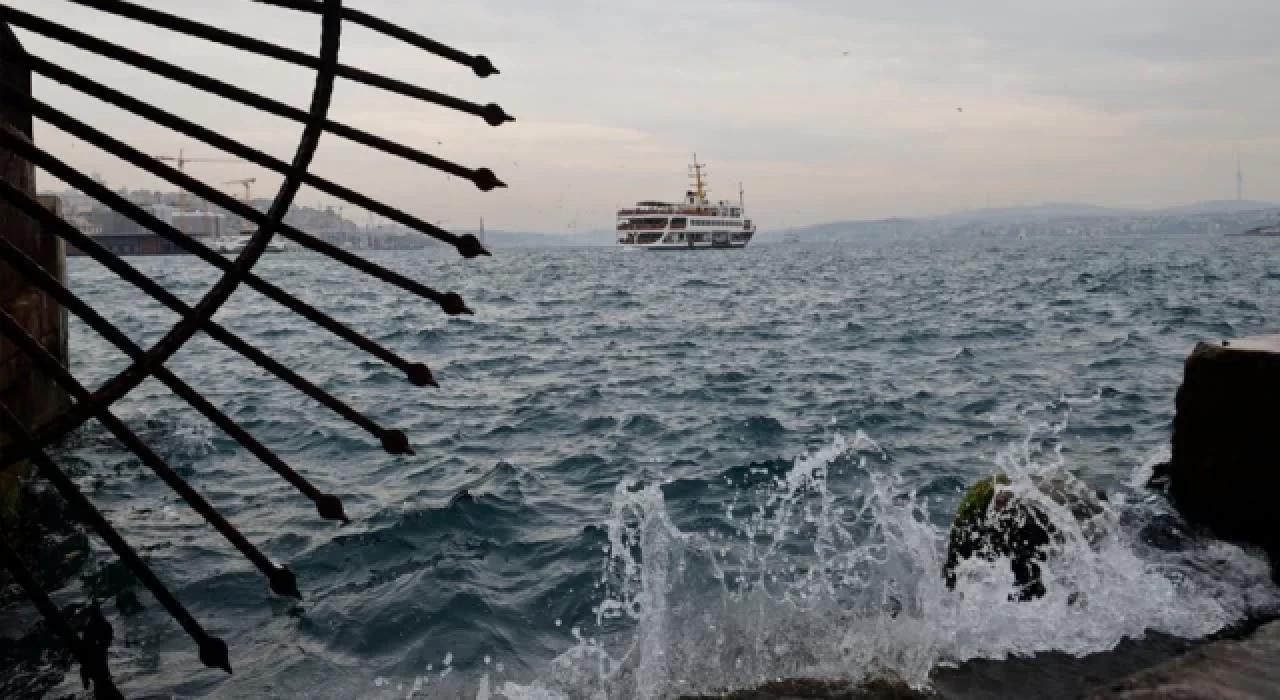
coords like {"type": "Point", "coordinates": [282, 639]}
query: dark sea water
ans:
{"type": "Point", "coordinates": [682, 472]}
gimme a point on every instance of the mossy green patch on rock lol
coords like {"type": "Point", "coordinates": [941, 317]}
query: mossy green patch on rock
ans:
{"type": "Point", "coordinates": [977, 500]}
{"type": "Point", "coordinates": [990, 527]}
{"type": "Point", "coordinates": [994, 523]}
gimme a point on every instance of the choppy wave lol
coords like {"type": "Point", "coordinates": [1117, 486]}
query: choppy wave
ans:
{"type": "Point", "coordinates": [631, 481]}
{"type": "Point", "coordinates": [803, 578]}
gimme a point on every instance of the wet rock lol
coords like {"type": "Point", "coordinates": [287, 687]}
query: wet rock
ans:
{"type": "Point", "coordinates": [1166, 531]}
{"type": "Point", "coordinates": [1248, 668]}
{"type": "Point", "coordinates": [1159, 476]}
{"type": "Point", "coordinates": [804, 689]}
{"type": "Point", "coordinates": [48, 539]}
{"type": "Point", "coordinates": [993, 523]}
{"type": "Point", "coordinates": [33, 664]}
{"type": "Point", "coordinates": [128, 604]}
{"type": "Point", "coordinates": [109, 578]}
{"type": "Point", "coordinates": [990, 524]}
{"type": "Point", "coordinates": [1225, 469]}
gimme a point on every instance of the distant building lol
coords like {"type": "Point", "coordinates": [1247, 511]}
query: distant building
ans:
{"type": "Point", "coordinates": [124, 236]}
{"type": "Point", "coordinates": [198, 224]}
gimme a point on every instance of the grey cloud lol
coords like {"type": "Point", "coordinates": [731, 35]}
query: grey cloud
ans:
{"type": "Point", "coordinates": [607, 92]}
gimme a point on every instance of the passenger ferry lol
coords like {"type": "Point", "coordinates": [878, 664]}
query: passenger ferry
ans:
{"type": "Point", "coordinates": [694, 224]}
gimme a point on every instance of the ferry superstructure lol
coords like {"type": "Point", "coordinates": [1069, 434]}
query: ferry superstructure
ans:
{"type": "Point", "coordinates": [696, 223]}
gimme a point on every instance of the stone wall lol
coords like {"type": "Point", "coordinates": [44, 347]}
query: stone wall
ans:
{"type": "Point", "coordinates": [30, 395]}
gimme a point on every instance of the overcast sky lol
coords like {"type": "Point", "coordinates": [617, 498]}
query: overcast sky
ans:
{"type": "Point", "coordinates": [823, 109]}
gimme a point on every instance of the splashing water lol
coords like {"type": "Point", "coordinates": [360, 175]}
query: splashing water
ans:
{"type": "Point", "coordinates": [815, 577]}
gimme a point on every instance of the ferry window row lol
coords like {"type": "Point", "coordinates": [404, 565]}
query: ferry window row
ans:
{"type": "Point", "coordinates": [712, 222]}
{"type": "Point", "coordinates": [679, 222]}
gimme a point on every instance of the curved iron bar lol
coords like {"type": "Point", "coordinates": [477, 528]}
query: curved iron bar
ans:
{"type": "Point", "coordinates": [478, 64]}
{"type": "Point", "coordinates": [282, 580]}
{"type": "Point", "coordinates": [197, 317]}
{"type": "Point", "coordinates": [93, 249]}
{"type": "Point", "coordinates": [491, 113]}
{"type": "Point", "coordinates": [93, 665]}
{"type": "Point", "coordinates": [181, 332]}
{"type": "Point", "coordinates": [417, 373]}
{"type": "Point", "coordinates": [450, 302]}
{"type": "Point", "coordinates": [328, 505]}
{"type": "Point", "coordinates": [212, 650]}
{"type": "Point", "coordinates": [483, 178]}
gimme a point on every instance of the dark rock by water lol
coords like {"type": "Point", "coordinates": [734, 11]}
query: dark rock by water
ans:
{"type": "Point", "coordinates": [993, 523]}
{"type": "Point", "coordinates": [50, 540]}
{"type": "Point", "coordinates": [48, 537]}
{"type": "Point", "coordinates": [1225, 470]}
{"type": "Point", "coordinates": [990, 525]}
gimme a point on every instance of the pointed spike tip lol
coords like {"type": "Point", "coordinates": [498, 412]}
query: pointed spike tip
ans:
{"type": "Point", "coordinates": [469, 246]}
{"type": "Point", "coordinates": [284, 583]}
{"type": "Point", "coordinates": [420, 375]}
{"type": "Point", "coordinates": [485, 180]}
{"type": "Point", "coordinates": [481, 66]}
{"type": "Point", "coordinates": [395, 442]}
{"type": "Point", "coordinates": [214, 654]}
{"type": "Point", "coordinates": [330, 508]}
{"type": "Point", "coordinates": [494, 115]}
{"type": "Point", "coordinates": [453, 304]}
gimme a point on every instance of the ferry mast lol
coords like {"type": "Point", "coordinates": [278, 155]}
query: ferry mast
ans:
{"type": "Point", "coordinates": [699, 187]}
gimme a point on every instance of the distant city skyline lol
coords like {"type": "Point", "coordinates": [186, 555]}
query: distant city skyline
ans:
{"type": "Point", "coordinates": [824, 110]}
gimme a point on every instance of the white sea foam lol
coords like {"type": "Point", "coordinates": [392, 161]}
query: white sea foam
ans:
{"type": "Point", "coordinates": [817, 583]}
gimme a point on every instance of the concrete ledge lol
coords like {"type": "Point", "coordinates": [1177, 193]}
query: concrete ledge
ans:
{"type": "Point", "coordinates": [1225, 470]}
{"type": "Point", "coordinates": [1217, 671]}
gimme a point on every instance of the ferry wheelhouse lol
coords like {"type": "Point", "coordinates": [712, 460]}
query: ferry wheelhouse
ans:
{"type": "Point", "coordinates": [697, 223]}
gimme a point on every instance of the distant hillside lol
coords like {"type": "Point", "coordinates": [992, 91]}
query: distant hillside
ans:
{"type": "Point", "coordinates": [1039, 212]}
{"type": "Point", "coordinates": [1221, 205]}
{"type": "Point", "coordinates": [838, 230]}
{"type": "Point", "coordinates": [530, 239]}
{"type": "Point", "coordinates": [1051, 211]}
{"type": "Point", "coordinates": [1040, 215]}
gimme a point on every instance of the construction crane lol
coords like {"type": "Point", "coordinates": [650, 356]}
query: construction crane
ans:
{"type": "Point", "coordinates": [244, 182]}
{"type": "Point", "coordinates": [181, 159]}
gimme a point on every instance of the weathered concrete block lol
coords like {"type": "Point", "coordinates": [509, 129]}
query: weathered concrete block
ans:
{"type": "Point", "coordinates": [1226, 669]}
{"type": "Point", "coordinates": [1225, 470]}
{"type": "Point", "coordinates": [803, 689]}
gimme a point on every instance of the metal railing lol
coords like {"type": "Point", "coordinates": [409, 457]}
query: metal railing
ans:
{"type": "Point", "coordinates": [29, 443]}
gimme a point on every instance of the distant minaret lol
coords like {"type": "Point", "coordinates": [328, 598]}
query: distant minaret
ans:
{"type": "Point", "coordinates": [1239, 180]}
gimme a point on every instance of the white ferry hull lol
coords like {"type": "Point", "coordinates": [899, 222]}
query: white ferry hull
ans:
{"type": "Point", "coordinates": [677, 247]}
{"type": "Point", "coordinates": [696, 223]}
